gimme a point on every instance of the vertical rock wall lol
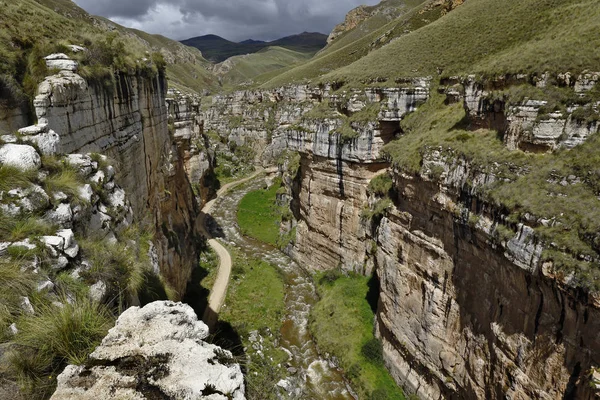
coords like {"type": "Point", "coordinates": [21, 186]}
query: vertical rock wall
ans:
{"type": "Point", "coordinates": [129, 124]}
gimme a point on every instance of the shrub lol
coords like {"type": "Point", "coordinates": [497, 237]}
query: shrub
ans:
{"type": "Point", "coordinates": [381, 185]}
{"type": "Point", "coordinates": [330, 276]}
{"type": "Point", "coordinates": [373, 351]}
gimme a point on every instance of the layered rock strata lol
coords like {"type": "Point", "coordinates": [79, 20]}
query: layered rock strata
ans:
{"type": "Point", "coordinates": [129, 123]}
{"type": "Point", "coordinates": [464, 311]}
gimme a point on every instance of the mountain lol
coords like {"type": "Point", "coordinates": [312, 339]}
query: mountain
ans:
{"type": "Point", "coordinates": [252, 41]}
{"type": "Point", "coordinates": [218, 49]}
{"type": "Point", "coordinates": [244, 68]}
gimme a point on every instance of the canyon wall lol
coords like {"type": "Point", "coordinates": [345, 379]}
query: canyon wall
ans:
{"type": "Point", "coordinates": [129, 123]}
{"type": "Point", "coordinates": [463, 312]}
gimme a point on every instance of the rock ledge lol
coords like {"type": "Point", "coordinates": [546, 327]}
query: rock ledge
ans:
{"type": "Point", "coordinates": [155, 352]}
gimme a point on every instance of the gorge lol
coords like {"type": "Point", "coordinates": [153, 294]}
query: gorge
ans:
{"type": "Point", "coordinates": [428, 223]}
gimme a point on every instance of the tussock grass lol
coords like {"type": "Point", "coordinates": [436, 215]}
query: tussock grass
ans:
{"type": "Point", "coordinates": [12, 178]}
{"type": "Point", "coordinates": [54, 337]}
{"type": "Point", "coordinates": [14, 229]}
{"type": "Point", "coordinates": [68, 181]}
{"type": "Point", "coordinates": [15, 284]}
{"type": "Point", "coordinates": [117, 265]}
{"type": "Point", "coordinates": [342, 325]}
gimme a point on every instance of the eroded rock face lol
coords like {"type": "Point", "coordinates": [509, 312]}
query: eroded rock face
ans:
{"type": "Point", "coordinates": [309, 119]}
{"type": "Point", "coordinates": [128, 124]}
{"type": "Point", "coordinates": [188, 131]}
{"type": "Point", "coordinates": [462, 314]}
{"type": "Point", "coordinates": [157, 351]}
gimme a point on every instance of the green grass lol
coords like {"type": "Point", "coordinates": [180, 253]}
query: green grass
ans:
{"type": "Point", "coordinates": [22, 227]}
{"type": "Point", "coordinates": [259, 216]}
{"type": "Point", "coordinates": [210, 262]}
{"type": "Point", "coordinates": [246, 67]}
{"type": "Point", "coordinates": [342, 324]}
{"type": "Point", "coordinates": [255, 296]}
{"type": "Point", "coordinates": [122, 267]}
{"type": "Point", "coordinates": [483, 37]}
{"type": "Point", "coordinates": [255, 301]}
{"type": "Point", "coordinates": [15, 284]}
{"type": "Point", "coordinates": [13, 178]}
{"type": "Point", "coordinates": [526, 183]}
{"type": "Point", "coordinates": [31, 29]}
{"type": "Point", "coordinates": [53, 338]}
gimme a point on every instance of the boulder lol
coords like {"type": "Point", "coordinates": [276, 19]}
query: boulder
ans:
{"type": "Point", "coordinates": [61, 62]}
{"type": "Point", "coordinates": [21, 156]}
{"type": "Point", "coordinates": [155, 352]}
{"type": "Point", "coordinates": [61, 215]}
{"type": "Point", "coordinates": [98, 291]}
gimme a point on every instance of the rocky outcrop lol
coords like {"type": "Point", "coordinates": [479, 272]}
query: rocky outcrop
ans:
{"type": "Point", "coordinates": [127, 121]}
{"type": "Point", "coordinates": [312, 119]}
{"type": "Point", "coordinates": [155, 352]}
{"type": "Point", "coordinates": [533, 123]}
{"type": "Point", "coordinates": [188, 131]}
{"type": "Point", "coordinates": [352, 20]}
{"type": "Point", "coordinates": [464, 313]}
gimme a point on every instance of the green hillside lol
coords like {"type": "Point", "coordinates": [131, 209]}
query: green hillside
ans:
{"type": "Point", "coordinates": [31, 29]}
{"type": "Point", "coordinates": [243, 69]}
{"type": "Point", "coordinates": [479, 36]}
{"type": "Point", "coordinates": [218, 49]}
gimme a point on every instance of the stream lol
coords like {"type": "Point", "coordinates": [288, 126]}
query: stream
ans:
{"type": "Point", "coordinates": [315, 377]}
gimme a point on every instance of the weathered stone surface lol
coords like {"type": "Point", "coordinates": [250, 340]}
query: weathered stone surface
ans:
{"type": "Point", "coordinates": [130, 126]}
{"type": "Point", "coordinates": [61, 62]}
{"type": "Point", "coordinates": [157, 350]}
{"type": "Point", "coordinates": [20, 156]}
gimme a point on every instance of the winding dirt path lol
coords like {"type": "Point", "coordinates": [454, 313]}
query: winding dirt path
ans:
{"type": "Point", "coordinates": [219, 289]}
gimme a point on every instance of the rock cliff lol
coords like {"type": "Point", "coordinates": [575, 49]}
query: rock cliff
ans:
{"type": "Point", "coordinates": [164, 356]}
{"type": "Point", "coordinates": [468, 307]}
{"type": "Point", "coordinates": [128, 123]}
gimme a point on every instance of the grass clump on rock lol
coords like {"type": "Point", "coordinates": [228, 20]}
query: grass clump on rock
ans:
{"type": "Point", "coordinates": [54, 337]}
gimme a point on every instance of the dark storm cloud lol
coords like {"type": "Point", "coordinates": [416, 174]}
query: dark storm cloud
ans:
{"type": "Point", "coordinates": [232, 19]}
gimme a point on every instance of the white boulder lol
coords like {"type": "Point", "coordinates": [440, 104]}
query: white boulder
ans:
{"type": "Point", "coordinates": [21, 156]}
{"type": "Point", "coordinates": [160, 348]}
{"type": "Point", "coordinates": [61, 62]}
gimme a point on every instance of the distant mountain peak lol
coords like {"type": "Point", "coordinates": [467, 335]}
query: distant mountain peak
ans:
{"type": "Point", "coordinates": [252, 41]}
{"type": "Point", "coordinates": [218, 49]}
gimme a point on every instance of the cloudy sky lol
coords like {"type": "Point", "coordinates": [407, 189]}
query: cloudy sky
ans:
{"type": "Point", "coordinates": [233, 19]}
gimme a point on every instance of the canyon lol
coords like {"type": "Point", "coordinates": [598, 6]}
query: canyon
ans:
{"type": "Point", "coordinates": [468, 198]}
{"type": "Point", "coordinates": [462, 313]}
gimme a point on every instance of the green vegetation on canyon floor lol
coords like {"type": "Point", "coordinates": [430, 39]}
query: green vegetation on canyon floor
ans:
{"type": "Point", "coordinates": [255, 302]}
{"type": "Point", "coordinates": [259, 215]}
{"type": "Point", "coordinates": [342, 324]}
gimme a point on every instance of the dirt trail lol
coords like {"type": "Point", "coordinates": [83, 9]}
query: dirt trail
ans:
{"type": "Point", "coordinates": [219, 289]}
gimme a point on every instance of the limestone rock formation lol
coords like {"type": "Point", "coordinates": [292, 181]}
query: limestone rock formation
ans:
{"type": "Point", "coordinates": [464, 312]}
{"type": "Point", "coordinates": [157, 351]}
{"type": "Point", "coordinates": [20, 156]}
{"type": "Point", "coordinates": [353, 19]}
{"type": "Point", "coordinates": [130, 125]}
